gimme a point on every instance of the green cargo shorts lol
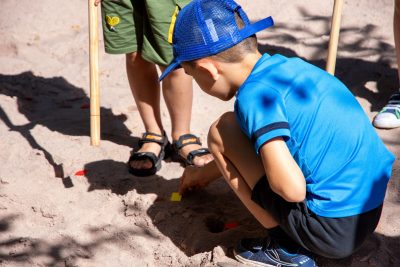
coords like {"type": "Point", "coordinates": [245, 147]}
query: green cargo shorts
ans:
{"type": "Point", "coordinates": [139, 25]}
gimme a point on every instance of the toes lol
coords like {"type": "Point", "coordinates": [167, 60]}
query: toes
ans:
{"type": "Point", "coordinates": [146, 164]}
{"type": "Point", "coordinates": [140, 164]}
{"type": "Point", "coordinates": [199, 162]}
{"type": "Point", "coordinates": [208, 158]}
{"type": "Point", "coordinates": [202, 160]}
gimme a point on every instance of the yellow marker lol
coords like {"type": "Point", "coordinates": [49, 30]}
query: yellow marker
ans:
{"type": "Point", "coordinates": [176, 196]}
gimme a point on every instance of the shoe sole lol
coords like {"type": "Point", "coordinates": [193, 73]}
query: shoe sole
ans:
{"type": "Point", "coordinates": [250, 262]}
{"type": "Point", "coordinates": [387, 124]}
{"type": "Point", "coordinates": [144, 172]}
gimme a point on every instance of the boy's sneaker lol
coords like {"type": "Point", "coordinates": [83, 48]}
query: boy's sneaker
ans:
{"type": "Point", "coordinates": [389, 116]}
{"type": "Point", "coordinates": [266, 252]}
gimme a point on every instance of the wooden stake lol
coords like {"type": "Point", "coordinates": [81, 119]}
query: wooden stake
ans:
{"type": "Point", "coordinates": [334, 36]}
{"type": "Point", "coordinates": [94, 74]}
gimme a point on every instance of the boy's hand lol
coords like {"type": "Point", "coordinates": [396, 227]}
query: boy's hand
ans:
{"type": "Point", "coordinates": [194, 178]}
{"type": "Point", "coordinates": [191, 180]}
{"type": "Point", "coordinates": [97, 2]}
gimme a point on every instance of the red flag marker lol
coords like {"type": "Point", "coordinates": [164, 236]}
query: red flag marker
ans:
{"type": "Point", "coordinates": [81, 173]}
{"type": "Point", "coordinates": [230, 225]}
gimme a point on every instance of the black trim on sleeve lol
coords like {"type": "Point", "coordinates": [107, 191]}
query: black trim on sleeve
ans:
{"type": "Point", "coordinates": [268, 128]}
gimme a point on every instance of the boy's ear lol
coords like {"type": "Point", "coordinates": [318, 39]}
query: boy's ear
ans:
{"type": "Point", "coordinates": [209, 66]}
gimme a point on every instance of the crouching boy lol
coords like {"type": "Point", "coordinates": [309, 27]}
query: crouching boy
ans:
{"type": "Point", "coordinates": [298, 150]}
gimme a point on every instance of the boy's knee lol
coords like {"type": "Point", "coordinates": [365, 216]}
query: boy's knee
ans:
{"type": "Point", "coordinates": [218, 129]}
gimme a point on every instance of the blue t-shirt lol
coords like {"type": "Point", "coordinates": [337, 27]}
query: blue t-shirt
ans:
{"type": "Point", "coordinates": [345, 163]}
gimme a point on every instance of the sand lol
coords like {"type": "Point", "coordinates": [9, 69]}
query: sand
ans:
{"type": "Point", "coordinates": [52, 215]}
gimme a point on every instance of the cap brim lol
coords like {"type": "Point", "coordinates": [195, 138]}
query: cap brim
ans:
{"type": "Point", "coordinates": [171, 67]}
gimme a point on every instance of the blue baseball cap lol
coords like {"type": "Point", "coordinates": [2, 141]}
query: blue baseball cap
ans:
{"type": "Point", "coordinates": [206, 27]}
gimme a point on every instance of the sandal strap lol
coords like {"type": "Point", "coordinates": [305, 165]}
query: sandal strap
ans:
{"type": "Point", "coordinates": [186, 139]}
{"type": "Point", "coordinates": [149, 137]}
{"type": "Point", "coordinates": [196, 153]}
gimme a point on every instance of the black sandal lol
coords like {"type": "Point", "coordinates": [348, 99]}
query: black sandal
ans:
{"type": "Point", "coordinates": [148, 137]}
{"type": "Point", "coordinates": [184, 140]}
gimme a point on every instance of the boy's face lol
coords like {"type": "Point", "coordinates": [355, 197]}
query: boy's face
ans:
{"type": "Point", "coordinates": [207, 75]}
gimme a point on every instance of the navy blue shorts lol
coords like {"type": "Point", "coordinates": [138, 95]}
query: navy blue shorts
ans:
{"type": "Point", "coordinates": [328, 237]}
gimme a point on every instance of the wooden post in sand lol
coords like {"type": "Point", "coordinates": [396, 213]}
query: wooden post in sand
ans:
{"type": "Point", "coordinates": [334, 36]}
{"type": "Point", "coordinates": [94, 74]}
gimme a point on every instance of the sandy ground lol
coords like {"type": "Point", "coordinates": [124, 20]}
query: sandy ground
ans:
{"type": "Point", "coordinates": [50, 216]}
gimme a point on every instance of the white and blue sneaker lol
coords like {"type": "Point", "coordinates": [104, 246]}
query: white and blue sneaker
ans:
{"type": "Point", "coordinates": [389, 116]}
{"type": "Point", "coordinates": [266, 252]}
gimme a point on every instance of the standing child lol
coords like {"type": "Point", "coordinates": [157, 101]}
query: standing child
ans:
{"type": "Point", "coordinates": [139, 29]}
{"type": "Point", "coordinates": [298, 151]}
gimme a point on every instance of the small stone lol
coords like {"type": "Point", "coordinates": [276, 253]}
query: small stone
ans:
{"type": "Point", "coordinates": [218, 253]}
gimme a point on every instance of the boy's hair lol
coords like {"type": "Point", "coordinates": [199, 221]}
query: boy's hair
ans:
{"type": "Point", "coordinates": [237, 52]}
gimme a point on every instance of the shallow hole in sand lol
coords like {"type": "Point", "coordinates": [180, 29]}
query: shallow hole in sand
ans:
{"type": "Point", "coordinates": [214, 224]}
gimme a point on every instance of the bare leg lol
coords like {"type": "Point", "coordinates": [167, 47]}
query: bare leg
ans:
{"type": "Point", "coordinates": [238, 163]}
{"type": "Point", "coordinates": [396, 29]}
{"type": "Point", "coordinates": [143, 80]}
{"type": "Point", "coordinates": [178, 94]}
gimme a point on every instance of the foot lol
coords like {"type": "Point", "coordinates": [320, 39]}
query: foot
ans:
{"type": "Point", "coordinates": [389, 116]}
{"type": "Point", "coordinates": [146, 163]}
{"type": "Point", "coordinates": [198, 161]}
{"type": "Point", "coordinates": [188, 150]}
{"type": "Point", "coordinates": [266, 252]}
{"type": "Point", "coordinates": [147, 160]}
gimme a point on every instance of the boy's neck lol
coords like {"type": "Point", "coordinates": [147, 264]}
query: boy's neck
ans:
{"type": "Point", "coordinates": [237, 73]}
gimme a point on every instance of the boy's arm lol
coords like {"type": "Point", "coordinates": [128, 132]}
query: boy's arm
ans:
{"type": "Point", "coordinates": [284, 175]}
{"type": "Point", "coordinates": [96, 2]}
{"type": "Point", "coordinates": [198, 177]}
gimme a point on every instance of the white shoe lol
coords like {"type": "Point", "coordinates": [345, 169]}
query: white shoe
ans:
{"type": "Point", "coordinates": [389, 116]}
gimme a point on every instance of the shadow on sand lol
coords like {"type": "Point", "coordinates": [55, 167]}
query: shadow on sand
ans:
{"type": "Point", "coordinates": [198, 210]}
{"type": "Point", "coordinates": [59, 106]}
{"type": "Point", "coordinates": [65, 251]}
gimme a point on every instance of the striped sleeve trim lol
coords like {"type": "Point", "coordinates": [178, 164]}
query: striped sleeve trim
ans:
{"type": "Point", "coordinates": [269, 128]}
